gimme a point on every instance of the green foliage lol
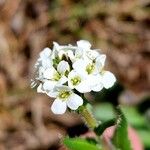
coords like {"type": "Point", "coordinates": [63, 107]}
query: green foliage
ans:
{"type": "Point", "coordinates": [133, 116]}
{"type": "Point", "coordinates": [103, 111]}
{"type": "Point", "coordinates": [145, 137]}
{"type": "Point", "coordinates": [120, 139]}
{"type": "Point", "coordinates": [101, 128]}
{"type": "Point", "coordinates": [80, 144]}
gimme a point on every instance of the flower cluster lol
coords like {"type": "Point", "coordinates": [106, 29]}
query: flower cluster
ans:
{"type": "Point", "coordinates": [66, 71]}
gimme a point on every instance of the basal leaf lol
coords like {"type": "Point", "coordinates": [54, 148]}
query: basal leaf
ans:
{"type": "Point", "coordinates": [80, 144]}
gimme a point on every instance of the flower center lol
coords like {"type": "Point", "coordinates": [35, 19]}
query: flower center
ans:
{"type": "Point", "coordinates": [90, 68]}
{"type": "Point", "coordinates": [64, 94]}
{"type": "Point", "coordinates": [76, 80]}
{"type": "Point", "coordinates": [57, 76]}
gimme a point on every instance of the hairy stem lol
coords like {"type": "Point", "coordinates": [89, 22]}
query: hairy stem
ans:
{"type": "Point", "coordinates": [88, 117]}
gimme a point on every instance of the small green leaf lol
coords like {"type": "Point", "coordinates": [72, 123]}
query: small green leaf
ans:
{"type": "Point", "coordinates": [120, 139]}
{"type": "Point", "coordinates": [101, 128]}
{"type": "Point", "coordinates": [80, 144]}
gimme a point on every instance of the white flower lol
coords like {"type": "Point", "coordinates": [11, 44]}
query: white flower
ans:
{"type": "Point", "coordinates": [85, 67]}
{"type": "Point", "coordinates": [89, 66]}
{"type": "Point", "coordinates": [61, 50]}
{"type": "Point", "coordinates": [52, 77]}
{"type": "Point", "coordinates": [78, 82]}
{"type": "Point", "coordinates": [67, 71]}
{"type": "Point", "coordinates": [103, 80]}
{"type": "Point", "coordinates": [65, 97]}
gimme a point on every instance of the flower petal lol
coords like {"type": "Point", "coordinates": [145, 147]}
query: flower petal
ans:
{"type": "Point", "coordinates": [100, 61]}
{"type": "Point", "coordinates": [49, 73]}
{"type": "Point", "coordinates": [45, 53]}
{"type": "Point", "coordinates": [62, 80]}
{"type": "Point", "coordinates": [62, 67]}
{"type": "Point", "coordinates": [56, 46]}
{"type": "Point", "coordinates": [85, 45]}
{"type": "Point", "coordinates": [83, 87]}
{"type": "Point", "coordinates": [59, 88]}
{"type": "Point", "coordinates": [97, 87]}
{"type": "Point", "coordinates": [74, 101]}
{"type": "Point", "coordinates": [80, 66]}
{"type": "Point", "coordinates": [71, 75]}
{"type": "Point", "coordinates": [49, 85]}
{"type": "Point", "coordinates": [108, 79]}
{"type": "Point", "coordinates": [92, 54]}
{"type": "Point", "coordinates": [46, 63]}
{"type": "Point", "coordinates": [58, 106]}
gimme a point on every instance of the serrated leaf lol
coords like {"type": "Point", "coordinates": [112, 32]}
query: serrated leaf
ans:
{"type": "Point", "coordinates": [120, 138]}
{"type": "Point", "coordinates": [80, 144]}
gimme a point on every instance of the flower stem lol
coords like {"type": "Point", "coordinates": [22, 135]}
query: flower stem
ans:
{"type": "Point", "coordinates": [88, 117]}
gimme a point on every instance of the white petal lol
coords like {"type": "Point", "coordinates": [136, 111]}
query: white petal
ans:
{"type": "Point", "coordinates": [59, 88]}
{"type": "Point", "coordinates": [92, 54]}
{"type": "Point", "coordinates": [49, 73]}
{"type": "Point", "coordinates": [80, 66]}
{"type": "Point", "coordinates": [85, 45]}
{"type": "Point", "coordinates": [45, 53]}
{"type": "Point", "coordinates": [40, 89]}
{"type": "Point", "coordinates": [58, 107]}
{"type": "Point", "coordinates": [74, 101]}
{"type": "Point", "coordinates": [49, 85]}
{"type": "Point", "coordinates": [52, 93]}
{"type": "Point", "coordinates": [100, 61]}
{"type": "Point", "coordinates": [78, 52]}
{"type": "Point", "coordinates": [46, 63]}
{"type": "Point", "coordinates": [95, 82]}
{"type": "Point", "coordinates": [70, 55]}
{"type": "Point", "coordinates": [56, 46]}
{"type": "Point", "coordinates": [108, 79]}
{"type": "Point", "coordinates": [97, 87]}
{"type": "Point", "coordinates": [83, 87]}
{"type": "Point", "coordinates": [72, 75]}
{"type": "Point", "coordinates": [62, 67]}
{"type": "Point", "coordinates": [62, 80]}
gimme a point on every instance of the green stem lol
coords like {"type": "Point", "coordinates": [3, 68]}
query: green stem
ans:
{"type": "Point", "coordinates": [88, 117]}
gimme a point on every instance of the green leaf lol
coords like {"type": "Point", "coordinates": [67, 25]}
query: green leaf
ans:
{"type": "Point", "coordinates": [133, 116]}
{"type": "Point", "coordinates": [101, 128]}
{"type": "Point", "coordinates": [120, 139]}
{"type": "Point", "coordinates": [80, 144]}
{"type": "Point", "coordinates": [103, 111]}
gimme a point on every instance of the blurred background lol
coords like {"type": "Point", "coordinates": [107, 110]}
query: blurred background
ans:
{"type": "Point", "coordinates": [120, 28]}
